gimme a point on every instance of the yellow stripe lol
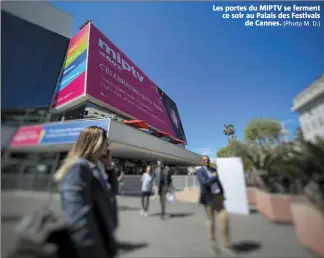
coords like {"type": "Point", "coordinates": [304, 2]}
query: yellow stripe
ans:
{"type": "Point", "coordinates": [76, 53]}
{"type": "Point", "coordinates": [76, 44]}
{"type": "Point", "coordinates": [41, 136]}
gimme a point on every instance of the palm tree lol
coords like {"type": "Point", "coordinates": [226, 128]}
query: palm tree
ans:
{"type": "Point", "coordinates": [229, 131]}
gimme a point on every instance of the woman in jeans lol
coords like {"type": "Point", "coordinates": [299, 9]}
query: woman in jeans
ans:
{"type": "Point", "coordinates": [147, 185]}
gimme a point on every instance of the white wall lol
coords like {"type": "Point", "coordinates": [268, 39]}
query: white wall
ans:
{"type": "Point", "coordinates": [231, 174]}
{"type": "Point", "coordinates": [312, 119]}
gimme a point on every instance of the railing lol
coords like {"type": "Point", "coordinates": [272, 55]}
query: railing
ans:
{"type": "Point", "coordinates": [130, 185]}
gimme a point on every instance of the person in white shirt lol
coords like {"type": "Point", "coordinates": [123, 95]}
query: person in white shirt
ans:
{"type": "Point", "coordinates": [147, 186]}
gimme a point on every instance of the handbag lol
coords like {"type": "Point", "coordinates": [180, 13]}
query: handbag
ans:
{"type": "Point", "coordinates": [171, 196]}
{"type": "Point", "coordinates": [42, 234]}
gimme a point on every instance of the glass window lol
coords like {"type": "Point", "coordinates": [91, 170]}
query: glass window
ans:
{"type": "Point", "coordinates": [31, 62]}
{"type": "Point", "coordinates": [20, 155]}
{"type": "Point", "coordinates": [10, 168]}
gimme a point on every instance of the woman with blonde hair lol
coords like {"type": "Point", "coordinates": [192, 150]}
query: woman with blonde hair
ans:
{"type": "Point", "coordinates": [86, 196]}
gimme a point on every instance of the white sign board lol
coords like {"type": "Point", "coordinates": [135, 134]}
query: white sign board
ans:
{"type": "Point", "coordinates": [231, 174]}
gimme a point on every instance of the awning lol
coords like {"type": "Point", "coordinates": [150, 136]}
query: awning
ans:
{"type": "Point", "coordinates": [140, 124]}
{"type": "Point", "coordinates": [174, 140]}
{"type": "Point", "coordinates": [161, 134]}
{"type": "Point", "coordinates": [127, 142]}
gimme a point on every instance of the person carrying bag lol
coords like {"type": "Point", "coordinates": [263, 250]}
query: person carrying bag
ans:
{"type": "Point", "coordinates": [42, 234]}
{"type": "Point", "coordinates": [87, 227]}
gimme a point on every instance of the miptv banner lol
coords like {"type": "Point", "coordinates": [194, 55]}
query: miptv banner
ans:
{"type": "Point", "coordinates": [115, 80]}
{"type": "Point", "coordinates": [54, 133]}
{"type": "Point", "coordinates": [72, 82]}
{"type": "Point", "coordinates": [96, 67]}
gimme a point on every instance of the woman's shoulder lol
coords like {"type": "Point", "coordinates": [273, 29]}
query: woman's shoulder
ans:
{"type": "Point", "coordinates": [79, 171]}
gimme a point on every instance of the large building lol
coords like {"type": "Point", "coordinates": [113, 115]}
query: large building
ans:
{"type": "Point", "coordinates": [310, 106]}
{"type": "Point", "coordinates": [35, 37]}
{"type": "Point", "coordinates": [67, 84]}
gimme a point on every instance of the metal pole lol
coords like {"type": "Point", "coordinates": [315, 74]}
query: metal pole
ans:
{"type": "Point", "coordinates": [186, 182]}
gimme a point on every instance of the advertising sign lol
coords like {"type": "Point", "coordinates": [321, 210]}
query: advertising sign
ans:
{"type": "Point", "coordinates": [72, 80]}
{"type": "Point", "coordinates": [54, 133]}
{"type": "Point", "coordinates": [231, 174]}
{"type": "Point", "coordinates": [116, 81]}
{"type": "Point", "coordinates": [173, 113]}
{"type": "Point", "coordinates": [6, 135]}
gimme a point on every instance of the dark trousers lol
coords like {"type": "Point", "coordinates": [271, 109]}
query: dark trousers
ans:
{"type": "Point", "coordinates": [145, 200]}
{"type": "Point", "coordinates": [163, 194]}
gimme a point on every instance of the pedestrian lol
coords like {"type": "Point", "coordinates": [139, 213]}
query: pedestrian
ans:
{"type": "Point", "coordinates": [120, 178]}
{"type": "Point", "coordinates": [156, 177]}
{"type": "Point", "coordinates": [147, 184]}
{"type": "Point", "coordinates": [212, 197]}
{"type": "Point", "coordinates": [163, 178]}
{"type": "Point", "coordinates": [106, 164]}
{"type": "Point", "coordinates": [86, 196]}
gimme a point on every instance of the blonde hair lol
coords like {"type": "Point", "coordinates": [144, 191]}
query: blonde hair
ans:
{"type": "Point", "coordinates": [89, 145]}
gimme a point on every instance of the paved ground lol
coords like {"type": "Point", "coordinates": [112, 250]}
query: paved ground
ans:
{"type": "Point", "coordinates": [184, 234]}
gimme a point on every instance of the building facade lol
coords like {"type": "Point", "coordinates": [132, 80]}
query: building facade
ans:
{"type": "Point", "coordinates": [309, 104]}
{"type": "Point", "coordinates": [53, 84]}
{"type": "Point", "coordinates": [35, 37]}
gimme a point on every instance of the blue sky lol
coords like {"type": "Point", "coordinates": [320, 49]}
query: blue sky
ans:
{"type": "Point", "coordinates": [217, 71]}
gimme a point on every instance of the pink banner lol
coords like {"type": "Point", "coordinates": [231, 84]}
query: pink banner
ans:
{"type": "Point", "coordinates": [26, 136]}
{"type": "Point", "coordinates": [72, 81]}
{"type": "Point", "coordinates": [115, 80]}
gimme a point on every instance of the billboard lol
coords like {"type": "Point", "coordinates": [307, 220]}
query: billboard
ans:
{"type": "Point", "coordinates": [72, 81]}
{"type": "Point", "coordinates": [97, 68]}
{"type": "Point", "coordinates": [54, 133]}
{"type": "Point", "coordinates": [173, 114]}
{"type": "Point", "coordinates": [116, 81]}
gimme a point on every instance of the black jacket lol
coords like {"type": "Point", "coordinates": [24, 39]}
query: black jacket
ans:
{"type": "Point", "coordinates": [165, 180]}
{"type": "Point", "coordinates": [88, 212]}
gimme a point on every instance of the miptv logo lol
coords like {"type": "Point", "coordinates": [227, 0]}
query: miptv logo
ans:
{"type": "Point", "coordinates": [117, 58]}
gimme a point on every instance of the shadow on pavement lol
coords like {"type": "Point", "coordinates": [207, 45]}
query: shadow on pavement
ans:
{"type": "Point", "coordinates": [125, 247]}
{"type": "Point", "coordinates": [127, 208]}
{"type": "Point", "coordinates": [253, 210]}
{"type": "Point", "coordinates": [173, 215]}
{"type": "Point", "coordinates": [246, 246]}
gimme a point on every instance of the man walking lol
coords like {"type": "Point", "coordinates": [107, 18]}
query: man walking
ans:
{"type": "Point", "coordinates": [212, 197]}
{"type": "Point", "coordinates": [163, 179]}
